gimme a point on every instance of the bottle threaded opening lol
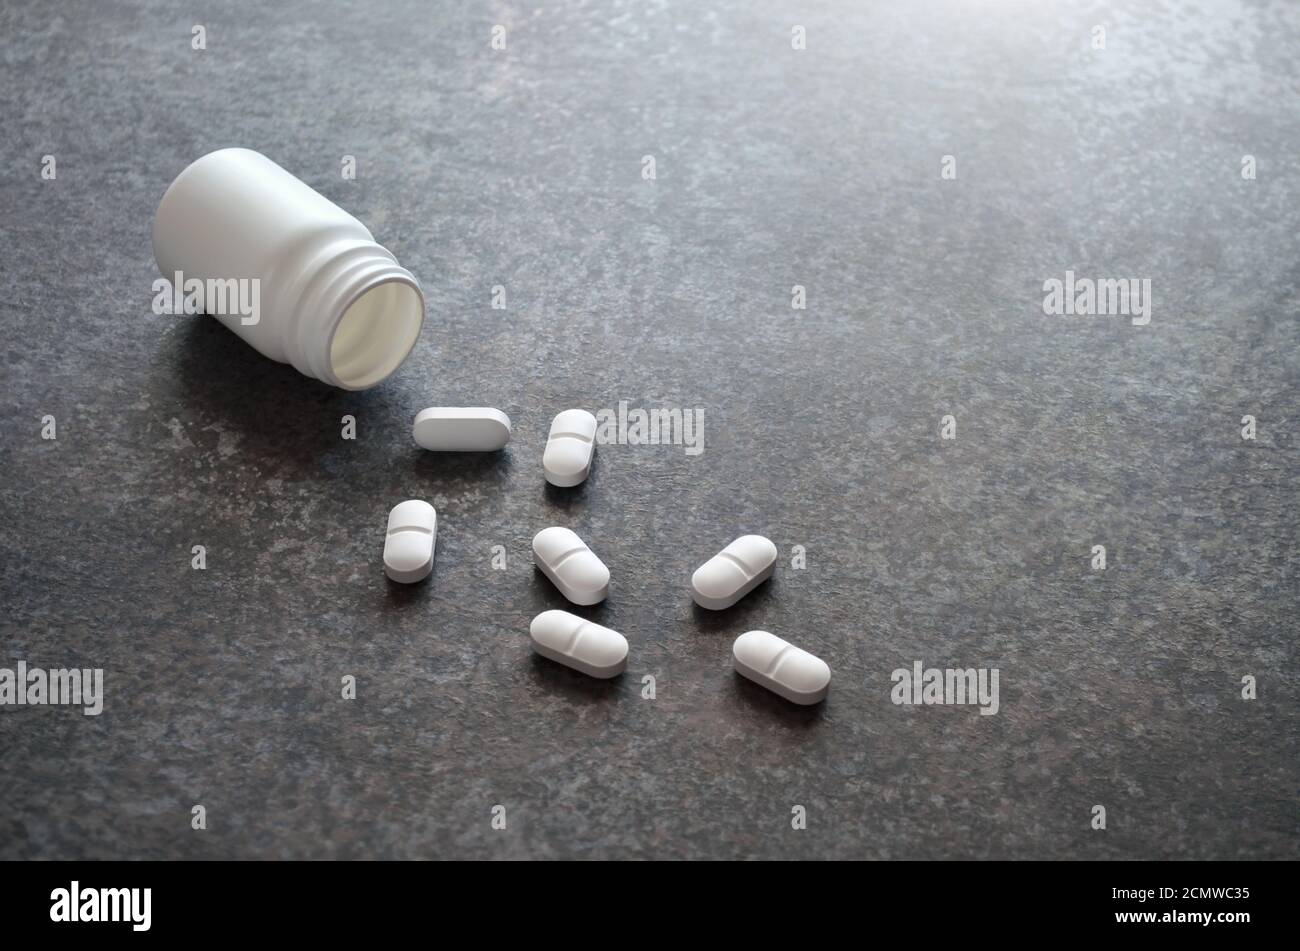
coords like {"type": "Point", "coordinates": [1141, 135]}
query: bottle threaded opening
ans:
{"type": "Point", "coordinates": [376, 333]}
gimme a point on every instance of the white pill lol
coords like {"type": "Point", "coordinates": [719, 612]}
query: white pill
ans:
{"type": "Point", "coordinates": [733, 572]}
{"type": "Point", "coordinates": [567, 458]}
{"type": "Point", "coordinates": [412, 535]}
{"type": "Point", "coordinates": [462, 429]}
{"type": "Point", "coordinates": [571, 565]}
{"type": "Point", "coordinates": [781, 667]}
{"type": "Point", "coordinates": [577, 643]}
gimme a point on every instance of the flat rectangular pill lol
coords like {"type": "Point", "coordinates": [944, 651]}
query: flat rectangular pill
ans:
{"type": "Point", "coordinates": [461, 429]}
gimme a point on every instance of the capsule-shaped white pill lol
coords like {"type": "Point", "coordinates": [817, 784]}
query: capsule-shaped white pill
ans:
{"type": "Point", "coordinates": [412, 535]}
{"type": "Point", "coordinates": [733, 572]}
{"type": "Point", "coordinates": [571, 565]}
{"type": "Point", "coordinates": [781, 667]}
{"type": "Point", "coordinates": [567, 458]}
{"type": "Point", "coordinates": [577, 643]}
{"type": "Point", "coordinates": [461, 429]}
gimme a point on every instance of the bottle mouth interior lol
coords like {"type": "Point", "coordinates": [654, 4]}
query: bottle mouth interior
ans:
{"type": "Point", "coordinates": [376, 333]}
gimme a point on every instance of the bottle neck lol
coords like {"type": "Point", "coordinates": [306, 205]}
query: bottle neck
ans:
{"type": "Point", "coordinates": [357, 317]}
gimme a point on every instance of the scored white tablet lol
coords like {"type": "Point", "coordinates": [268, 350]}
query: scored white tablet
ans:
{"type": "Point", "coordinates": [733, 572]}
{"type": "Point", "coordinates": [574, 642]}
{"type": "Point", "coordinates": [572, 567]}
{"type": "Point", "coordinates": [410, 541]}
{"type": "Point", "coordinates": [781, 667]}
{"type": "Point", "coordinates": [572, 440]}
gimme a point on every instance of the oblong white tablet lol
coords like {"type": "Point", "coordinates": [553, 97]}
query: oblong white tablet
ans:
{"type": "Point", "coordinates": [567, 458]}
{"type": "Point", "coordinates": [733, 572]}
{"type": "Point", "coordinates": [412, 536]}
{"type": "Point", "coordinates": [577, 643]}
{"type": "Point", "coordinates": [781, 667]}
{"type": "Point", "coordinates": [461, 429]}
{"type": "Point", "coordinates": [571, 565]}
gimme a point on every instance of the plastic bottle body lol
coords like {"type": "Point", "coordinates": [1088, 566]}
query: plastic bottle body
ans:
{"type": "Point", "coordinates": [329, 299]}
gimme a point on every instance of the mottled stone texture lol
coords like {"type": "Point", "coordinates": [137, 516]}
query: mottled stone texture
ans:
{"type": "Point", "coordinates": [775, 168]}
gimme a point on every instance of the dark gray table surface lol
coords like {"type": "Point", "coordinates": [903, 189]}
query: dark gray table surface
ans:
{"type": "Point", "coordinates": [775, 167]}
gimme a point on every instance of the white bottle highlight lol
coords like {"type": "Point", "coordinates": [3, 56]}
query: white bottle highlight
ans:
{"type": "Point", "coordinates": [331, 301]}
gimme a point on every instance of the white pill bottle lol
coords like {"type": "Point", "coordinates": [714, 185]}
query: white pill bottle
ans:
{"type": "Point", "coordinates": [329, 299]}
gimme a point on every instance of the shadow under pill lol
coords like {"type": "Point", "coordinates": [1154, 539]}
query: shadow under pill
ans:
{"type": "Point", "coordinates": [747, 614]}
{"type": "Point", "coordinates": [470, 466]}
{"type": "Point", "coordinates": [556, 601]}
{"type": "Point", "coordinates": [769, 704]}
{"type": "Point", "coordinates": [566, 498]}
{"type": "Point", "coordinates": [573, 684]}
{"type": "Point", "coordinates": [399, 594]}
